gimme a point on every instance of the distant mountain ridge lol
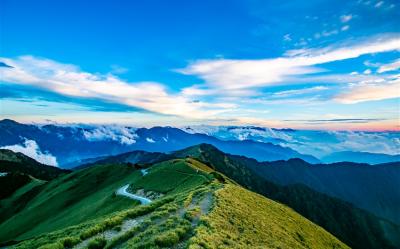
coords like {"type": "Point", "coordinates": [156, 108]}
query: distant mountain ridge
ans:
{"type": "Point", "coordinates": [82, 142]}
{"type": "Point", "coordinates": [360, 157]}
{"type": "Point", "coordinates": [322, 144]}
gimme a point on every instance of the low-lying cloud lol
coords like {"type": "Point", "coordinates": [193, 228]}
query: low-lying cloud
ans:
{"type": "Point", "coordinates": [31, 149]}
{"type": "Point", "coordinates": [123, 135]}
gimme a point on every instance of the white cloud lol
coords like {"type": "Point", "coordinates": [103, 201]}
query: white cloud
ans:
{"type": "Point", "coordinates": [370, 90]}
{"type": "Point", "coordinates": [119, 134]}
{"type": "Point", "coordinates": [344, 28]}
{"type": "Point", "coordinates": [287, 38]}
{"type": "Point", "coordinates": [300, 91]}
{"type": "Point", "coordinates": [150, 140]}
{"type": "Point", "coordinates": [317, 143]}
{"type": "Point", "coordinates": [31, 149]}
{"type": "Point", "coordinates": [239, 74]}
{"type": "Point", "coordinates": [367, 71]}
{"type": "Point", "coordinates": [389, 67]}
{"type": "Point", "coordinates": [116, 69]}
{"type": "Point", "coordinates": [326, 33]}
{"type": "Point", "coordinates": [379, 4]}
{"type": "Point", "coordinates": [69, 80]}
{"type": "Point", "coordinates": [346, 18]}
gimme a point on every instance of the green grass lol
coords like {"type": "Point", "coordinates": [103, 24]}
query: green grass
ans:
{"type": "Point", "coordinates": [70, 200]}
{"type": "Point", "coordinates": [243, 219]}
{"type": "Point", "coordinates": [238, 218]}
{"type": "Point", "coordinates": [173, 176]}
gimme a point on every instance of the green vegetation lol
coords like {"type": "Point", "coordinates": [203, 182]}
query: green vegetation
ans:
{"type": "Point", "coordinates": [355, 227]}
{"type": "Point", "coordinates": [173, 176]}
{"type": "Point", "coordinates": [199, 208]}
{"type": "Point", "coordinates": [70, 200]}
{"type": "Point", "coordinates": [97, 243]}
{"type": "Point", "coordinates": [243, 219]}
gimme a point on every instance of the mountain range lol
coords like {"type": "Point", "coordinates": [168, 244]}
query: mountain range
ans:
{"type": "Point", "coordinates": [190, 205]}
{"type": "Point", "coordinates": [83, 142]}
{"type": "Point", "coordinates": [202, 177]}
{"type": "Point", "coordinates": [328, 146]}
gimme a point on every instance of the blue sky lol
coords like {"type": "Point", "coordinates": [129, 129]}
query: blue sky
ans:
{"type": "Point", "coordinates": [301, 64]}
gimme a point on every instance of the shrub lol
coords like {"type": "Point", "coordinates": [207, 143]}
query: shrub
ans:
{"type": "Point", "coordinates": [167, 239]}
{"type": "Point", "coordinates": [218, 176]}
{"type": "Point", "coordinates": [115, 221]}
{"type": "Point", "coordinates": [69, 242]}
{"type": "Point", "coordinates": [97, 243]}
{"type": "Point", "coordinates": [56, 245]}
{"type": "Point", "coordinates": [91, 232]}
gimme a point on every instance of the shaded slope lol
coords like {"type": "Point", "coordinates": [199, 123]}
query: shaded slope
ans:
{"type": "Point", "coordinates": [374, 188]}
{"type": "Point", "coordinates": [136, 157]}
{"type": "Point", "coordinates": [17, 162]}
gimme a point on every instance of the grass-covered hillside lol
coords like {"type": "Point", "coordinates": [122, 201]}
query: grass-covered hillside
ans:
{"type": "Point", "coordinates": [21, 179]}
{"type": "Point", "coordinates": [354, 226]}
{"type": "Point", "coordinates": [191, 206]}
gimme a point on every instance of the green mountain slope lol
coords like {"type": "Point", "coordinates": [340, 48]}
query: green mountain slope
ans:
{"type": "Point", "coordinates": [355, 227]}
{"type": "Point", "coordinates": [191, 203]}
{"type": "Point", "coordinates": [21, 179]}
{"type": "Point", "coordinates": [70, 200]}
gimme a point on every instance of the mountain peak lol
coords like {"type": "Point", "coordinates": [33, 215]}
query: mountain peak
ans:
{"type": "Point", "coordinates": [7, 121]}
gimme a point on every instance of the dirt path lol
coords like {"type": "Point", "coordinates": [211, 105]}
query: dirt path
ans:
{"type": "Point", "coordinates": [123, 191]}
{"type": "Point", "coordinates": [112, 233]}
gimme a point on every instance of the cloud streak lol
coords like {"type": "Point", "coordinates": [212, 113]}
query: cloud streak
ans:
{"type": "Point", "coordinates": [389, 67]}
{"type": "Point", "coordinates": [69, 80]}
{"type": "Point", "coordinates": [371, 90]}
{"type": "Point", "coordinates": [237, 74]}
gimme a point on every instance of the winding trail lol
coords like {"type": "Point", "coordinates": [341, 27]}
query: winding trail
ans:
{"type": "Point", "coordinates": [123, 191]}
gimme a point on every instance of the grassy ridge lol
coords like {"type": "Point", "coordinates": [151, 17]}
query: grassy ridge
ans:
{"type": "Point", "coordinates": [355, 227]}
{"type": "Point", "coordinates": [173, 176]}
{"type": "Point", "coordinates": [243, 219]}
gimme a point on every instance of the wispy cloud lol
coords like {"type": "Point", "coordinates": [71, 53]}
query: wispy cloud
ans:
{"type": "Point", "coordinates": [337, 120]}
{"type": "Point", "coordinates": [389, 67]}
{"type": "Point", "coordinates": [69, 80]}
{"type": "Point", "coordinates": [371, 90]}
{"type": "Point", "coordinates": [300, 91]}
{"type": "Point", "coordinates": [346, 18]}
{"type": "Point", "coordinates": [238, 74]}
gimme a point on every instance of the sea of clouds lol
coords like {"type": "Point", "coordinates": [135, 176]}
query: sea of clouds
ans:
{"type": "Point", "coordinates": [312, 142]}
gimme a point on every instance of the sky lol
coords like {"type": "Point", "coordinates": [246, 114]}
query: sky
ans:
{"type": "Point", "coordinates": [320, 65]}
